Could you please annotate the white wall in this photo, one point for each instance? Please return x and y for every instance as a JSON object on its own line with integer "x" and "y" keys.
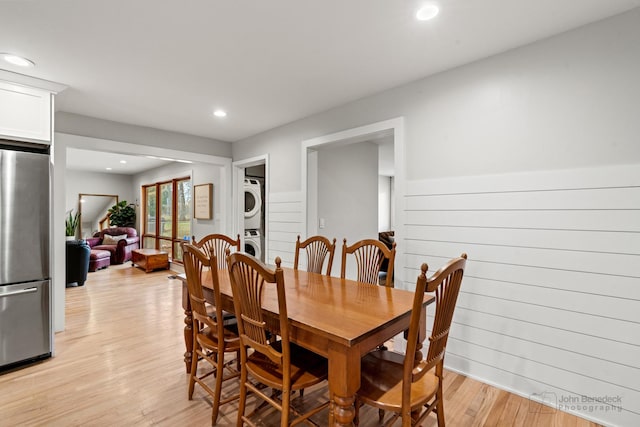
{"x": 549, "y": 303}
{"x": 384, "y": 203}
{"x": 285, "y": 224}
{"x": 96, "y": 183}
{"x": 549, "y": 123}
{"x": 114, "y": 131}
{"x": 386, "y": 157}
{"x": 348, "y": 195}
{"x": 568, "y": 101}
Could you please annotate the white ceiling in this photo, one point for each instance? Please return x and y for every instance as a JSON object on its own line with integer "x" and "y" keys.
{"x": 168, "y": 64}
{"x": 93, "y": 161}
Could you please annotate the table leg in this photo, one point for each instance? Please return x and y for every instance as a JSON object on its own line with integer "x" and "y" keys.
{"x": 343, "y": 411}
{"x": 188, "y": 327}
{"x": 344, "y": 381}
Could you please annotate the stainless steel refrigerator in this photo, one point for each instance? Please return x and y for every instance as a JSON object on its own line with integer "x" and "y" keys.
{"x": 25, "y": 285}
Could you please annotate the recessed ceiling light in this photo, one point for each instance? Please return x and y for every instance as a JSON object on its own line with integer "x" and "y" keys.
{"x": 17, "y": 60}
{"x": 123, "y": 161}
{"x": 108, "y": 169}
{"x": 220, "y": 113}
{"x": 427, "y": 12}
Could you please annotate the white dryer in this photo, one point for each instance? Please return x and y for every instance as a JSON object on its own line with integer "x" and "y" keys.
{"x": 252, "y": 243}
{"x": 252, "y": 204}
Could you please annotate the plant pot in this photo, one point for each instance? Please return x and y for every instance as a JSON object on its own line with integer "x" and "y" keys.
{"x": 71, "y": 238}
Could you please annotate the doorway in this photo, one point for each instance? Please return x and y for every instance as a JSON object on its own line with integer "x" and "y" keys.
{"x": 64, "y": 141}
{"x": 254, "y": 210}
{"x": 250, "y": 214}
{"x": 389, "y": 132}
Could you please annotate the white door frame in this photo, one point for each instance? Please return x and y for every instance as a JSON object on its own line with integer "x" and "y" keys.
{"x": 238, "y": 190}
{"x": 395, "y": 127}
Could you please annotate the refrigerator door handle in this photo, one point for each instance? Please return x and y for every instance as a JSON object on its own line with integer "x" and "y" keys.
{"x": 22, "y": 291}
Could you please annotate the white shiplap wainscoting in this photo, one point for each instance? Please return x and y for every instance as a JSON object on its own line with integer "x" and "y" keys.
{"x": 285, "y": 223}
{"x": 550, "y": 302}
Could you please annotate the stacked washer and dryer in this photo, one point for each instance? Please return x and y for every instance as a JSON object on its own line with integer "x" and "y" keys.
{"x": 253, "y": 214}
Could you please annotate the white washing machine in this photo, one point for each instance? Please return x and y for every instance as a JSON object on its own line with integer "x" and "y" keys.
{"x": 252, "y": 243}
{"x": 252, "y": 204}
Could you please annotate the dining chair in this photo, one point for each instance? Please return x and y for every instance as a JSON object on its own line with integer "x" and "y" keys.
{"x": 282, "y": 366}
{"x": 412, "y": 388}
{"x": 317, "y": 248}
{"x": 369, "y": 254}
{"x": 217, "y": 244}
{"x": 212, "y": 340}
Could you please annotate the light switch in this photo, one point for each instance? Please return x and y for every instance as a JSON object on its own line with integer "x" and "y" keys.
{"x": 321, "y": 223}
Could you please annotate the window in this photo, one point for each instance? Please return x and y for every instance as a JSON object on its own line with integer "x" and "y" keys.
{"x": 168, "y": 206}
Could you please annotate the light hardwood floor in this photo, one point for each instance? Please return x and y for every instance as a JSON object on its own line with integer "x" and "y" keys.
{"x": 120, "y": 363}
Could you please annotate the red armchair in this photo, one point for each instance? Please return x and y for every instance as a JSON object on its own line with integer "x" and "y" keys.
{"x": 119, "y": 241}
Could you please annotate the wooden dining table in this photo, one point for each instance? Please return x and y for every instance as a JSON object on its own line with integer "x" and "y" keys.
{"x": 337, "y": 318}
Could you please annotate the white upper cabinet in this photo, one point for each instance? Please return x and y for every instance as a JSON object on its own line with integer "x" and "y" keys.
{"x": 25, "y": 113}
{"x": 26, "y": 107}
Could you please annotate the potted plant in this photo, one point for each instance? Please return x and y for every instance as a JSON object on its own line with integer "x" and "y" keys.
{"x": 71, "y": 224}
{"x": 122, "y": 214}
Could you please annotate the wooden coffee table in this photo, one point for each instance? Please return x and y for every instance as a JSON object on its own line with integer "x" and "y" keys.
{"x": 150, "y": 259}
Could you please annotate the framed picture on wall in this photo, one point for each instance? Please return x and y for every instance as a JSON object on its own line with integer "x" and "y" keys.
{"x": 202, "y": 201}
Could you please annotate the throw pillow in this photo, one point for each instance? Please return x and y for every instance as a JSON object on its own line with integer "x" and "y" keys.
{"x": 108, "y": 239}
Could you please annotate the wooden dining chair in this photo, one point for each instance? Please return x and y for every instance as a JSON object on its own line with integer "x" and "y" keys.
{"x": 211, "y": 339}
{"x": 217, "y": 244}
{"x": 282, "y": 366}
{"x": 412, "y": 388}
{"x": 317, "y": 248}
{"x": 369, "y": 254}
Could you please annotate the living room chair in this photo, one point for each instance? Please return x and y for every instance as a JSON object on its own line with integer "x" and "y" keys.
{"x": 402, "y": 384}
{"x": 282, "y": 366}
{"x": 211, "y": 339}
{"x": 317, "y": 248}
{"x": 369, "y": 255}
{"x": 119, "y": 241}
